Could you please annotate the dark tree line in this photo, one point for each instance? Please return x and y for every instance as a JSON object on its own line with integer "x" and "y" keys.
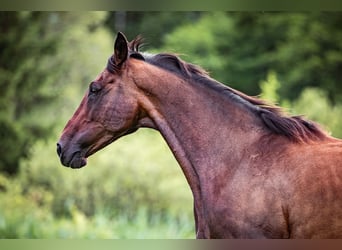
{"x": 240, "y": 49}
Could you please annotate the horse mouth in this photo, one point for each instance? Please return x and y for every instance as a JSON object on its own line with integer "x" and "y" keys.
{"x": 76, "y": 156}
{"x": 77, "y": 160}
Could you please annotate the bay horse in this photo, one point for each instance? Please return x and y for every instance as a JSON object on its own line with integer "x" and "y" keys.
{"x": 254, "y": 171}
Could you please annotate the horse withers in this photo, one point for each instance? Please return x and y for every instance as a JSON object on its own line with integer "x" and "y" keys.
{"x": 254, "y": 172}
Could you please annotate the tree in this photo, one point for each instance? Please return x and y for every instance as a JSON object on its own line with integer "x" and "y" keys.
{"x": 239, "y": 49}
{"x": 315, "y": 104}
{"x": 152, "y": 25}
{"x": 42, "y": 54}
{"x": 26, "y": 47}
{"x": 311, "y": 54}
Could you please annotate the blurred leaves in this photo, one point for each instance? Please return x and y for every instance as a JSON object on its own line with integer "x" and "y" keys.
{"x": 134, "y": 188}
{"x": 49, "y": 57}
{"x": 35, "y": 67}
{"x": 314, "y": 103}
{"x": 270, "y": 87}
{"x": 25, "y": 47}
{"x": 240, "y": 48}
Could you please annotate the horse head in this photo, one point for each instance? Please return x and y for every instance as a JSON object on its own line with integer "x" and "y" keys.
{"x": 109, "y": 110}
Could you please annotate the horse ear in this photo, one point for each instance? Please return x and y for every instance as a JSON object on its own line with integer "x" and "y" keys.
{"x": 120, "y": 49}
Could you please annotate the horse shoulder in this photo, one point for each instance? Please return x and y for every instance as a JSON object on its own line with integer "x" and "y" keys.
{"x": 312, "y": 194}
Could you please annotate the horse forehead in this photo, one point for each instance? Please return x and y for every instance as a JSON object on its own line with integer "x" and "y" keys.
{"x": 136, "y": 64}
{"x": 103, "y": 74}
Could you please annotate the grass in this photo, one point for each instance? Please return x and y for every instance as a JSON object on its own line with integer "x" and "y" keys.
{"x": 98, "y": 226}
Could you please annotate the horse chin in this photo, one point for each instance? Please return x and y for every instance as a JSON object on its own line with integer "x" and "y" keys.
{"x": 81, "y": 162}
{"x": 77, "y": 161}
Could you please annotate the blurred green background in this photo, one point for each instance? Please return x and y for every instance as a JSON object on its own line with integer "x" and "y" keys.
{"x": 134, "y": 188}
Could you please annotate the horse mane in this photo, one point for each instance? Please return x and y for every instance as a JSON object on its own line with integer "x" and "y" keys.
{"x": 296, "y": 128}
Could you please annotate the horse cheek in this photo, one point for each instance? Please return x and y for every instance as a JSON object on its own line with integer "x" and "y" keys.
{"x": 121, "y": 117}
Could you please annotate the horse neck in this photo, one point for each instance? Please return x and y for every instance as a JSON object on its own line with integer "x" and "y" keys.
{"x": 203, "y": 127}
{"x": 206, "y": 131}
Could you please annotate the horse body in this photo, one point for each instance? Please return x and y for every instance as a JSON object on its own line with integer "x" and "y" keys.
{"x": 283, "y": 197}
{"x": 238, "y": 169}
{"x": 253, "y": 172}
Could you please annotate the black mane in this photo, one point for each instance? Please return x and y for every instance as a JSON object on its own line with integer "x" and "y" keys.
{"x": 296, "y": 128}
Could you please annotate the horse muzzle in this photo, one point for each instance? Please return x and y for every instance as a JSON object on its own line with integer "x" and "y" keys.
{"x": 71, "y": 157}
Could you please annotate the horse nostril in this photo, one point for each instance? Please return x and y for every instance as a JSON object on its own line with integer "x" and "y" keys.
{"x": 59, "y": 149}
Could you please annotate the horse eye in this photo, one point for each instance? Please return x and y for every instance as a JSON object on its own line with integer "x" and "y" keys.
{"x": 94, "y": 88}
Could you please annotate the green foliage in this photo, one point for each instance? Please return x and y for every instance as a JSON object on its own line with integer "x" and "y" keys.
{"x": 36, "y": 63}
{"x": 240, "y": 49}
{"x": 43, "y": 52}
{"x": 145, "y": 196}
{"x": 49, "y": 55}
{"x": 134, "y": 188}
{"x": 315, "y": 104}
{"x": 310, "y": 54}
{"x": 123, "y": 192}
{"x": 198, "y": 44}
{"x": 25, "y": 59}
{"x": 269, "y": 88}
{"x": 153, "y": 25}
